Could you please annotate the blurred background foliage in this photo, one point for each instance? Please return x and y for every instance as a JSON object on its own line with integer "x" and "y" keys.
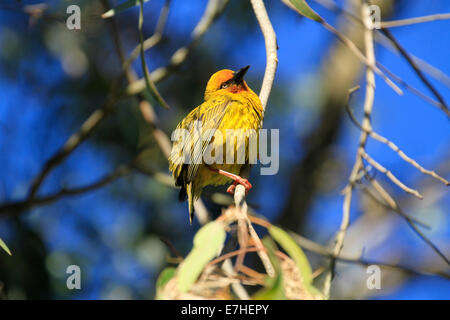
{"x": 52, "y": 79}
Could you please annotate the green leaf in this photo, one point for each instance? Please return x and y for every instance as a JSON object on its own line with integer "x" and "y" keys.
{"x": 275, "y": 290}
{"x": 208, "y": 243}
{"x": 165, "y": 276}
{"x": 296, "y": 253}
{"x": 4, "y": 247}
{"x": 305, "y": 10}
{"x": 293, "y": 250}
{"x": 274, "y": 286}
{"x": 121, "y": 7}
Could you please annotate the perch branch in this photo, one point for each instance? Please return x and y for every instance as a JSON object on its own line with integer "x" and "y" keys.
{"x": 269, "y": 76}
{"x": 270, "y": 40}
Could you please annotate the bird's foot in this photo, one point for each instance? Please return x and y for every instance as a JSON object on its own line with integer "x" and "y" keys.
{"x": 239, "y": 180}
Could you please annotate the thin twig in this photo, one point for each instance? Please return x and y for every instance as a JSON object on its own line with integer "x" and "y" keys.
{"x": 417, "y": 70}
{"x": 409, "y": 87}
{"x": 423, "y": 65}
{"x": 156, "y": 36}
{"x": 410, "y": 21}
{"x": 357, "y": 52}
{"x": 314, "y": 247}
{"x": 395, "y": 148}
{"x": 71, "y": 144}
{"x": 353, "y": 48}
{"x": 383, "y": 204}
{"x": 391, "y": 176}
{"x": 213, "y": 10}
{"x": 237, "y": 287}
{"x": 395, "y": 206}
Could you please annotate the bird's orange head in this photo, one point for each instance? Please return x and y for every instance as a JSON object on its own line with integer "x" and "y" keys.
{"x": 228, "y": 80}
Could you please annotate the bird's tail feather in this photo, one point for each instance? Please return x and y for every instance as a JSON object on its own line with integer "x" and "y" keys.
{"x": 190, "y": 194}
{"x": 182, "y": 195}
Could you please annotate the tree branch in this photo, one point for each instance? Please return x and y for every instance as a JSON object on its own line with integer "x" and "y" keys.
{"x": 270, "y": 40}
{"x": 417, "y": 70}
{"x": 314, "y": 247}
{"x": 213, "y": 10}
{"x": 358, "y": 165}
{"x": 269, "y": 76}
{"x": 410, "y": 21}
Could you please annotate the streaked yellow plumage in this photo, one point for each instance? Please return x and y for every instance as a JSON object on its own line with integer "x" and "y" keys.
{"x": 229, "y": 104}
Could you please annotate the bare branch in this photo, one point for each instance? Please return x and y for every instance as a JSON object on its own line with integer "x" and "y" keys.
{"x": 269, "y": 76}
{"x": 395, "y": 148}
{"x": 391, "y": 176}
{"x": 238, "y": 289}
{"x": 314, "y": 247}
{"x": 155, "y": 38}
{"x": 211, "y": 13}
{"x": 358, "y": 165}
{"x": 417, "y": 70}
{"x": 349, "y": 43}
{"x": 422, "y": 65}
{"x": 409, "y": 87}
{"x": 392, "y": 204}
{"x": 71, "y": 144}
{"x": 270, "y": 40}
{"x": 410, "y": 21}
{"x": 15, "y": 208}
{"x": 213, "y": 10}
{"x": 395, "y": 207}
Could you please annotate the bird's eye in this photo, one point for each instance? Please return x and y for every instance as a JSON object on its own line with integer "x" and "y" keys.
{"x": 224, "y": 86}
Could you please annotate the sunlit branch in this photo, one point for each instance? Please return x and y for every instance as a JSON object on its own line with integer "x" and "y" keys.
{"x": 395, "y": 148}
{"x": 417, "y": 64}
{"x": 269, "y": 75}
{"x": 390, "y": 175}
{"x": 410, "y": 21}
{"x": 358, "y": 165}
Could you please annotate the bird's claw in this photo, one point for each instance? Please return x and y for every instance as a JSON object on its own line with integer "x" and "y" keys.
{"x": 247, "y": 185}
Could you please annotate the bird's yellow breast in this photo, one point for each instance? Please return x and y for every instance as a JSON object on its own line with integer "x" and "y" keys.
{"x": 239, "y": 127}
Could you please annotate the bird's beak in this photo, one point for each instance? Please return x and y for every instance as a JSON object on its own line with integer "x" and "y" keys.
{"x": 239, "y": 75}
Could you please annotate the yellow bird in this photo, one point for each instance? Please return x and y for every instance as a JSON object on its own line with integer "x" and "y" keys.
{"x": 229, "y": 104}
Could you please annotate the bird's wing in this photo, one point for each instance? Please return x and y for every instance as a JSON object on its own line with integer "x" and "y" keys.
{"x": 210, "y": 114}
